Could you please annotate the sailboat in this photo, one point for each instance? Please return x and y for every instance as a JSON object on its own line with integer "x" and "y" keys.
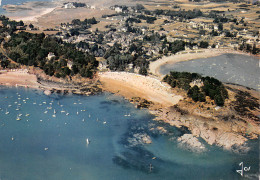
{"x": 54, "y": 115}
{"x": 87, "y": 141}
{"x": 18, "y": 118}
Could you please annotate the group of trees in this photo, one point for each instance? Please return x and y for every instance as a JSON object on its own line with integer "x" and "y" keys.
{"x": 211, "y": 87}
{"x": 32, "y": 49}
{"x": 84, "y": 22}
{"x": 9, "y": 25}
{"x": 190, "y": 14}
{"x": 249, "y": 48}
{"x": 120, "y": 61}
{"x": 5, "y": 63}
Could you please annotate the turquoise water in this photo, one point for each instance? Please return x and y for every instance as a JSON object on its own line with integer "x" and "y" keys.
{"x": 40, "y": 146}
{"x": 232, "y": 68}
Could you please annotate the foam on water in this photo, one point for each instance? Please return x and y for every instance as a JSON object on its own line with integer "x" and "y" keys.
{"x": 40, "y": 146}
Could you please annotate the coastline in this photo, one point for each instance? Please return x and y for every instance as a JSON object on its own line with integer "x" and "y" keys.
{"x": 133, "y": 85}
{"x": 33, "y": 18}
{"x": 30, "y": 11}
{"x": 36, "y": 79}
{"x": 169, "y": 105}
{"x": 181, "y": 56}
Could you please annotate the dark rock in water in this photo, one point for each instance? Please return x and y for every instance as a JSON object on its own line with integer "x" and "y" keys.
{"x": 58, "y": 91}
{"x": 242, "y": 149}
{"x": 65, "y": 92}
{"x": 135, "y": 160}
{"x": 121, "y": 162}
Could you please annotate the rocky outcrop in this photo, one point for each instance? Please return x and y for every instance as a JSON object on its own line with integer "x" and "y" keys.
{"x": 214, "y": 132}
{"x": 188, "y": 141}
{"x": 139, "y": 139}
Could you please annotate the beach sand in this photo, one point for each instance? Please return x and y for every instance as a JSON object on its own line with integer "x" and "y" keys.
{"x": 18, "y": 77}
{"x": 133, "y": 85}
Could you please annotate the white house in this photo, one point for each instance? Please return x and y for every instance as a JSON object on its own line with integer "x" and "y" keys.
{"x": 50, "y": 55}
{"x": 69, "y": 6}
{"x": 118, "y": 9}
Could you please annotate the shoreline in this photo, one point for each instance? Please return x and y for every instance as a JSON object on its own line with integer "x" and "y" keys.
{"x": 37, "y": 80}
{"x": 33, "y": 18}
{"x": 154, "y": 67}
{"x": 30, "y": 11}
{"x": 168, "y": 105}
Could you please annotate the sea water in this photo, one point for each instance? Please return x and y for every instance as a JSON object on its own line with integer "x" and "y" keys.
{"x": 91, "y": 138}
{"x": 18, "y": 2}
{"x": 232, "y": 68}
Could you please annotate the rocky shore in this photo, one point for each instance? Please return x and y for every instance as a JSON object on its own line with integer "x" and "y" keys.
{"x": 228, "y": 127}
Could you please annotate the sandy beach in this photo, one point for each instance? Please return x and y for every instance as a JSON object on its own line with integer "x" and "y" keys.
{"x": 18, "y": 77}
{"x": 203, "y": 53}
{"x": 133, "y": 85}
{"x": 33, "y": 18}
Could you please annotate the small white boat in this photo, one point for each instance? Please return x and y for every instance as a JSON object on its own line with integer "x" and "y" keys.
{"x": 87, "y": 141}
{"x": 12, "y": 138}
{"x": 6, "y": 112}
{"x": 27, "y": 114}
{"x": 62, "y": 111}
{"x": 67, "y": 114}
{"x": 104, "y": 122}
{"x": 45, "y": 112}
{"x": 77, "y": 112}
{"x": 127, "y": 115}
{"x": 18, "y": 118}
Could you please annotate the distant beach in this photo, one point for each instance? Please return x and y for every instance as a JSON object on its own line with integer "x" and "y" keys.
{"x": 28, "y": 10}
